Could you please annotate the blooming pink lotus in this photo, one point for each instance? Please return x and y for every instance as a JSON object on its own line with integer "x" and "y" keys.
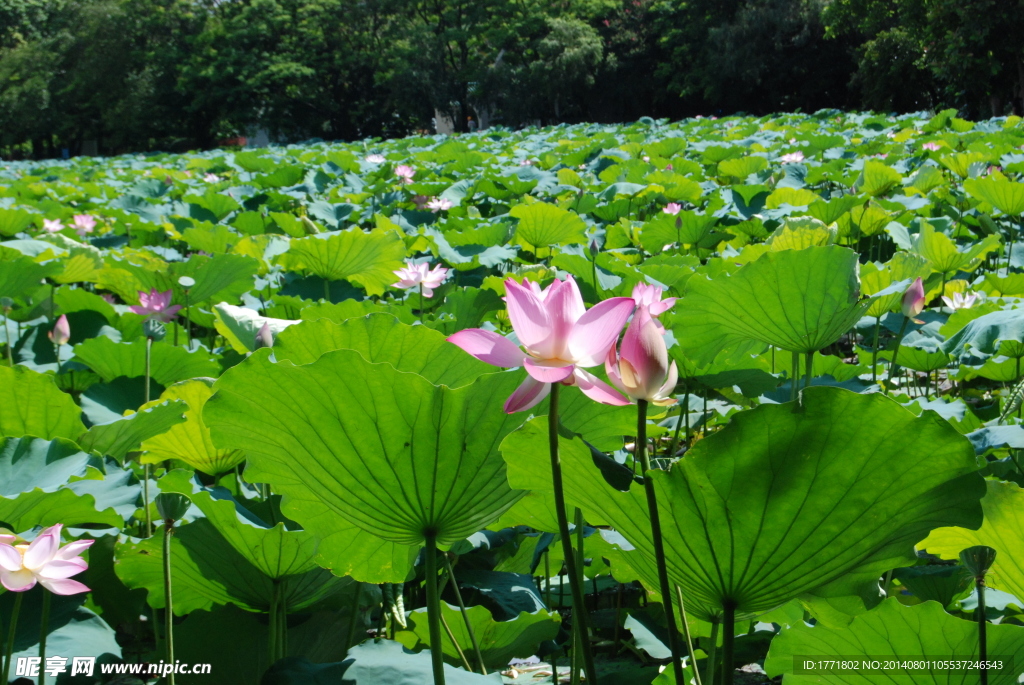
{"x": 405, "y": 172}
{"x": 960, "y": 300}
{"x": 376, "y": 159}
{"x": 650, "y": 296}
{"x": 419, "y": 275}
{"x": 931, "y": 145}
{"x": 913, "y": 300}
{"x": 43, "y": 561}
{"x": 52, "y": 225}
{"x": 439, "y": 204}
{"x": 84, "y": 224}
{"x": 641, "y": 369}
{"x": 672, "y": 208}
{"x": 156, "y": 305}
{"x": 792, "y": 158}
{"x": 211, "y": 178}
{"x": 560, "y": 337}
{"x": 61, "y": 332}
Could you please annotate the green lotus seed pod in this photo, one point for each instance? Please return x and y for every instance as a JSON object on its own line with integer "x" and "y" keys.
{"x": 172, "y": 506}
{"x": 978, "y": 559}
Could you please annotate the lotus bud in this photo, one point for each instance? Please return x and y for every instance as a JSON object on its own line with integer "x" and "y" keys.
{"x": 264, "y": 338}
{"x": 978, "y": 559}
{"x": 595, "y": 249}
{"x": 154, "y": 330}
{"x": 308, "y": 224}
{"x": 913, "y": 299}
{"x": 172, "y": 506}
{"x": 61, "y": 332}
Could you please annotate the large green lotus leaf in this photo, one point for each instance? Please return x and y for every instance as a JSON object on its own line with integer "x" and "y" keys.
{"x": 385, "y": 450}
{"x": 368, "y": 259}
{"x": 240, "y": 325}
{"x": 30, "y": 404}
{"x": 14, "y": 221}
{"x": 542, "y": 224}
{"x": 36, "y": 492}
{"x": 80, "y": 266}
{"x": 997, "y": 332}
{"x": 120, "y": 437}
{"x": 894, "y": 631}
{"x": 499, "y": 641}
{"x": 190, "y": 441}
{"x": 382, "y": 338}
{"x": 1002, "y": 530}
{"x": 20, "y": 277}
{"x": 784, "y": 502}
{"x": 796, "y": 300}
{"x": 371, "y": 663}
{"x": 944, "y": 255}
{"x": 274, "y": 550}
{"x": 878, "y": 178}
{"x": 742, "y": 167}
{"x": 168, "y": 364}
{"x": 1006, "y": 196}
{"x": 206, "y": 571}
{"x": 662, "y": 230}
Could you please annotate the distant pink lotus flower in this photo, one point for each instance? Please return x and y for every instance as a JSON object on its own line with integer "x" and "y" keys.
{"x": 668, "y": 167}
{"x": 646, "y": 158}
{"x": 641, "y": 369}
{"x": 792, "y": 157}
{"x": 211, "y": 178}
{"x": 45, "y": 562}
{"x": 650, "y": 296}
{"x": 376, "y": 159}
{"x": 84, "y": 224}
{"x": 960, "y": 300}
{"x": 560, "y": 336}
{"x": 931, "y": 145}
{"x": 405, "y": 172}
{"x": 108, "y": 298}
{"x": 52, "y": 225}
{"x": 526, "y": 162}
{"x": 156, "y": 305}
{"x": 672, "y": 208}
{"x": 439, "y": 204}
{"x": 913, "y": 300}
{"x": 61, "y": 332}
{"x": 416, "y": 275}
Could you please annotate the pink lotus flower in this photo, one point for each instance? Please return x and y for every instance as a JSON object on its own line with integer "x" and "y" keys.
{"x": 211, "y": 178}
{"x": 641, "y": 369}
{"x": 417, "y": 275}
{"x": 108, "y": 298}
{"x": 405, "y": 173}
{"x": 672, "y": 208}
{"x": 560, "y": 337}
{"x": 376, "y": 159}
{"x": 156, "y": 305}
{"x": 526, "y": 162}
{"x": 960, "y": 300}
{"x": 61, "y": 332}
{"x": 913, "y": 300}
{"x": 646, "y": 158}
{"x": 650, "y": 296}
{"x": 931, "y": 145}
{"x": 439, "y": 204}
{"x": 84, "y": 224}
{"x": 52, "y": 225}
{"x": 45, "y": 562}
{"x": 792, "y": 158}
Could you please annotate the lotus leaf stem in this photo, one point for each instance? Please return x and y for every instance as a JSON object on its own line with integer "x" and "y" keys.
{"x": 686, "y": 631}
{"x": 434, "y": 610}
{"x": 11, "y": 630}
{"x": 893, "y": 368}
{"x": 168, "y": 603}
{"x": 465, "y": 615}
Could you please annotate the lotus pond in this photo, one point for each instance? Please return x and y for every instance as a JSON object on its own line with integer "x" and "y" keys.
{"x": 715, "y": 401}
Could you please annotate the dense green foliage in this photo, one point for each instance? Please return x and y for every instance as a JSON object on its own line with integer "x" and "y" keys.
{"x": 324, "y": 430}
{"x": 134, "y": 75}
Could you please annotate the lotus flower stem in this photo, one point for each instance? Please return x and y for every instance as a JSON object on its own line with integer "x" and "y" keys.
{"x": 354, "y": 619}
{"x": 12, "y": 628}
{"x": 147, "y": 468}
{"x": 434, "y": 609}
{"x": 874, "y": 351}
{"x": 579, "y": 609}
{"x": 451, "y": 636}
{"x": 712, "y": 651}
{"x": 465, "y": 616}
{"x": 659, "y": 545}
{"x": 794, "y": 374}
{"x": 728, "y": 639}
{"x": 421, "y": 303}
{"x": 686, "y": 631}
{"x": 895, "y": 355}
{"x": 44, "y": 628}
{"x": 168, "y": 601}
{"x": 577, "y": 649}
